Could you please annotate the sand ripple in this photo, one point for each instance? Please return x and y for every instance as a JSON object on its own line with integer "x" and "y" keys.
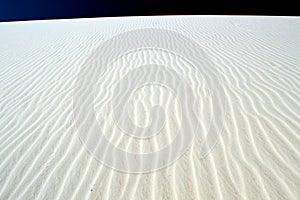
{"x": 256, "y": 60}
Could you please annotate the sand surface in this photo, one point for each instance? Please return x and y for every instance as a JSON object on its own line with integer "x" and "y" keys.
{"x": 150, "y": 108}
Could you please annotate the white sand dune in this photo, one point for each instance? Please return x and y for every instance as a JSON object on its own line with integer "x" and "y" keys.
{"x": 208, "y": 108}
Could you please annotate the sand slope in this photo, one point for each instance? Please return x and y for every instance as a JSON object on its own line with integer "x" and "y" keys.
{"x": 257, "y": 155}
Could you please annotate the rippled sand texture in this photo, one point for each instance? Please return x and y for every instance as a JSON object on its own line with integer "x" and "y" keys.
{"x": 257, "y": 155}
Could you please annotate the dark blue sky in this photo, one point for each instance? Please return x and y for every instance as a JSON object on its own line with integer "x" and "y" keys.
{"x": 16, "y": 10}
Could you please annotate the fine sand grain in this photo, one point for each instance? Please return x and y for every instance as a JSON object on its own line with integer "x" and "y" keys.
{"x": 175, "y": 107}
